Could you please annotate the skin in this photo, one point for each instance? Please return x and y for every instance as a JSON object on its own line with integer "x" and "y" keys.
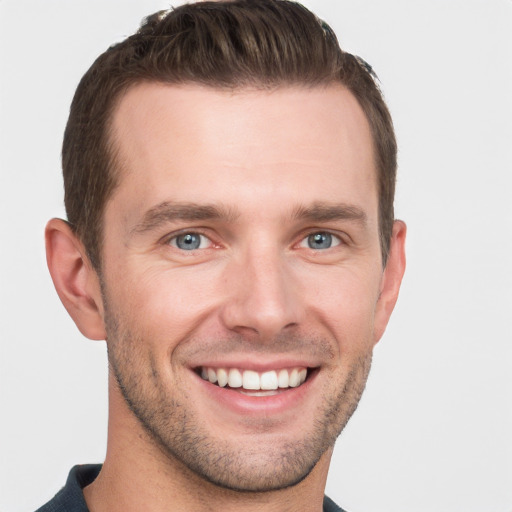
{"x": 256, "y": 174}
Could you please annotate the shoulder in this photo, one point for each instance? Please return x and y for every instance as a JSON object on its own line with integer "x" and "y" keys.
{"x": 71, "y": 498}
{"x": 330, "y": 506}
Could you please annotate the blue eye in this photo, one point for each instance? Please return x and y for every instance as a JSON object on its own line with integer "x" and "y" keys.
{"x": 321, "y": 240}
{"x": 189, "y": 241}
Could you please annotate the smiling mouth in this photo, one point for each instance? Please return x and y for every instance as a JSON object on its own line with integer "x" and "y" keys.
{"x": 255, "y": 383}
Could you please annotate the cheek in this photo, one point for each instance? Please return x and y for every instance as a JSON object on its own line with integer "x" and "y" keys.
{"x": 162, "y": 304}
{"x": 165, "y": 306}
{"x": 345, "y": 301}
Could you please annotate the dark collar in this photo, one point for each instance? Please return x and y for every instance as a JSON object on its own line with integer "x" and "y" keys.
{"x": 71, "y": 497}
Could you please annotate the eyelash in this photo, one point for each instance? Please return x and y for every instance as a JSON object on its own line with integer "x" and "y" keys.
{"x": 172, "y": 240}
{"x": 336, "y": 240}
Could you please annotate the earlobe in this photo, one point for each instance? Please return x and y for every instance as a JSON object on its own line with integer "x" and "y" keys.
{"x": 75, "y": 280}
{"x": 391, "y": 279}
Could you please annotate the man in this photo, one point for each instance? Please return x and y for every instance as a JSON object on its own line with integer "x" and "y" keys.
{"x": 229, "y": 179}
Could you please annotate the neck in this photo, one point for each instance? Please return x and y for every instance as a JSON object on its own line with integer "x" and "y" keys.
{"x": 139, "y": 475}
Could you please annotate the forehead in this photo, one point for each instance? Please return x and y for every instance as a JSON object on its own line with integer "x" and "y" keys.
{"x": 230, "y": 146}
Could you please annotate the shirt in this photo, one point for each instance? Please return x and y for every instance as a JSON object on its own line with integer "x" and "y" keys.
{"x": 71, "y": 498}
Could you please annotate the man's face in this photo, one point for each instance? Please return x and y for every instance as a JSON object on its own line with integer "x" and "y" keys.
{"x": 242, "y": 246}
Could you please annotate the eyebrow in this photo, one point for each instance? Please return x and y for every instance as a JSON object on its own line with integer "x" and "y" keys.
{"x": 324, "y": 212}
{"x": 166, "y": 212}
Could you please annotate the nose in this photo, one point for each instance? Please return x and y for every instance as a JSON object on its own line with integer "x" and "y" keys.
{"x": 262, "y": 295}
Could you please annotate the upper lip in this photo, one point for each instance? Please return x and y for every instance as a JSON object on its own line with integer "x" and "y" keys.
{"x": 257, "y": 363}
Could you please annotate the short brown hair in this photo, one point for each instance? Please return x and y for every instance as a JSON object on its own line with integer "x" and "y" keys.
{"x": 220, "y": 44}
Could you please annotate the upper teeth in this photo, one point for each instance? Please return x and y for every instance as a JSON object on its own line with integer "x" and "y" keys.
{"x": 249, "y": 379}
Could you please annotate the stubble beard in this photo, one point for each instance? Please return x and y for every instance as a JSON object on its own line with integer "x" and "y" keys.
{"x": 176, "y": 430}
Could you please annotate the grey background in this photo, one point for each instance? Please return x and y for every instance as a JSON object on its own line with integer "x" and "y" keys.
{"x": 433, "y": 431}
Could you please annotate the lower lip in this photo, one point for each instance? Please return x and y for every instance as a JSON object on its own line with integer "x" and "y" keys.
{"x": 240, "y": 403}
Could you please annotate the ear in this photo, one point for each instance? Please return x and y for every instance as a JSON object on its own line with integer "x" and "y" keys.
{"x": 391, "y": 279}
{"x": 75, "y": 280}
